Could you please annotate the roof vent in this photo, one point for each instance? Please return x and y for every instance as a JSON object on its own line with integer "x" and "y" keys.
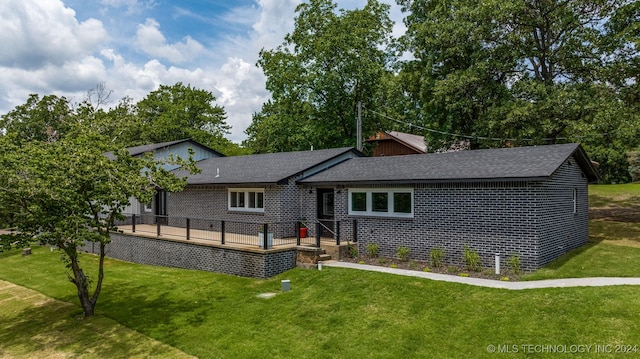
{"x": 217, "y": 172}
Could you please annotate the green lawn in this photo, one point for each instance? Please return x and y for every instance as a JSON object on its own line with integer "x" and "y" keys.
{"x": 335, "y": 312}
{"x": 331, "y": 313}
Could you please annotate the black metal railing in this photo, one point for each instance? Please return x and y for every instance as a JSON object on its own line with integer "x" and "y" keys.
{"x": 262, "y": 235}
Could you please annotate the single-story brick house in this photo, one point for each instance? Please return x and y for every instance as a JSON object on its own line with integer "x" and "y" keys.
{"x": 525, "y": 201}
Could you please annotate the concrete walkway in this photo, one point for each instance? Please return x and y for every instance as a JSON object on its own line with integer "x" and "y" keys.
{"x": 489, "y": 283}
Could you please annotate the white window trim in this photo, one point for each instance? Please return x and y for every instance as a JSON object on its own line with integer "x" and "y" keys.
{"x": 246, "y": 207}
{"x": 369, "y": 194}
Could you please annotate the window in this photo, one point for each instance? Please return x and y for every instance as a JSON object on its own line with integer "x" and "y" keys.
{"x": 381, "y": 202}
{"x": 248, "y": 200}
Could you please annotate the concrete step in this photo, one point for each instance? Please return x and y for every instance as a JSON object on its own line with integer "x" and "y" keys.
{"x": 324, "y": 257}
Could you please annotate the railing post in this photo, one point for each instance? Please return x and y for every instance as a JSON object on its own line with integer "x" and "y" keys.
{"x": 158, "y": 225}
{"x": 133, "y": 223}
{"x": 318, "y": 229}
{"x": 298, "y": 233}
{"x": 188, "y": 228}
{"x": 355, "y": 230}
{"x": 265, "y": 236}
{"x": 337, "y": 233}
{"x": 222, "y": 232}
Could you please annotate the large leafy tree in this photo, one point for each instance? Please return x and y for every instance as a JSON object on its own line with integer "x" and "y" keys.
{"x": 330, "y": 62}
{"x": 67, "y": 193}
{"x": 182, "y": 111}
{"x": 523, "y": 71}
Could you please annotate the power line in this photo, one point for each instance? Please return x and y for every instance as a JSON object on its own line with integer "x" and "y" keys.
{"x": 475, "y": 137}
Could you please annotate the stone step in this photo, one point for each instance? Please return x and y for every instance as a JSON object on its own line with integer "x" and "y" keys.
{"x": 324, "y": 257}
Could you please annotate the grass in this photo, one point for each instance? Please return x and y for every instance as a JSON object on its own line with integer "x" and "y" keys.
{"x": 334, "y": 312}
{"x": 33, "y": 325}
{"x": 329, "y": 313}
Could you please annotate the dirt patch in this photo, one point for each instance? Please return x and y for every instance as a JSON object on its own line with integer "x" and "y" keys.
{"x": 616, "y": 213}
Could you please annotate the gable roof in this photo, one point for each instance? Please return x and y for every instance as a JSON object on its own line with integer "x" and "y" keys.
{"x": 520, "y": 163}
{"x": 266, "y": 168}
{"x": 414, "y": 142}
{"x": 138, "y": 150}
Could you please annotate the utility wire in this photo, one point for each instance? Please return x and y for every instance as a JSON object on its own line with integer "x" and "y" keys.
{"x": 473, "y": 137}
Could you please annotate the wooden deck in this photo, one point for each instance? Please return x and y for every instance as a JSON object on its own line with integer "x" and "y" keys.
{"x": 208, "y": 237}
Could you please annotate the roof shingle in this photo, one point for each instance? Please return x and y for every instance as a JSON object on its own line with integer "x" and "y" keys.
{"x": 533, "y": 162}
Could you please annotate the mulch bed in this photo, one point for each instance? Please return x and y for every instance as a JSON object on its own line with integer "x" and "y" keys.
{"x": 487, "y": 273}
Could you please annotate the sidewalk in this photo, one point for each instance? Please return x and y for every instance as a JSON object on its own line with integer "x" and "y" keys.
{"x": 479, "y": 282}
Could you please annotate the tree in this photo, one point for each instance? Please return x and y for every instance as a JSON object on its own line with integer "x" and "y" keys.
{"x": 39, "y": 119}
{"x": 66, "y": 193}
{"x": 517, "y": 72}
{"x": 318, "y": 75}
{"x": 178, "y": 111}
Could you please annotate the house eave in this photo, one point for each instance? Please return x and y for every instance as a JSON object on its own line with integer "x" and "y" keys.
{"x": 425, "y": 181}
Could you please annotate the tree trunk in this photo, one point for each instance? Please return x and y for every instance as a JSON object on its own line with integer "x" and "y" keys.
{"x": 80, "y": 280}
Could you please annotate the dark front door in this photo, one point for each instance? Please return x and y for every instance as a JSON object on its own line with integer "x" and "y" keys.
{"x": 326, "y": 215}
{"x": 161, "y": 207}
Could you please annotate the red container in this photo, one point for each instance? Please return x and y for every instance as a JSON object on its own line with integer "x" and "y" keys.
{"x": 303, "y": 232}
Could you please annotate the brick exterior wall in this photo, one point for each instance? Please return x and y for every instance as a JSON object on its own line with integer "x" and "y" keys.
{"x": 561, "y": 229}
{"x": 532, "y": 219}
{"x": 245, "y": 263}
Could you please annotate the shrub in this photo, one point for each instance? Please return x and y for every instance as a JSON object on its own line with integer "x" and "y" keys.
{"x": 352, "y": 251}
{"x": 426, "y": 269}
{"x": 436, "y": 255}
{"x": 403, "y": 253}
{"x": 471, "y": 259}
{"x": 464, "y": 274}
{"x": 393, "y": 265}
{"x": 514, "y": 263}
{"x": 413, "y": 264}
{"x": 452, "y": 269}
{"x": 382, "y": 261}
{"x": 372, "y": 248}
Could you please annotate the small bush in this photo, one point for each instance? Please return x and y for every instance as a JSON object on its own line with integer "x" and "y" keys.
{"x": 403, "y": 253}
{"x": 352, "y": 251}
{"x": 464, "y": 274}
{"x": 426, "y": 269}
{"x": 471, "y": 259}
{"x": 413, "y": 265}
{"x": 361, "y": 262}
{"x": 393, "y": 265}
{"x": 436, "y": 256}
{"x": 382, "y": 261}
{"x": 452, "y": 269}
{"x": 514, "y": 264}
{"x": 372, "y": 248}
{"x": 504, "y": 279}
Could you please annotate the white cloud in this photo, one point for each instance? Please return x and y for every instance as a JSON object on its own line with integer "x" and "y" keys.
{"x": 46, "y": 50}
{"x": 36, "y": 33}
{"x": 153, "y": 42}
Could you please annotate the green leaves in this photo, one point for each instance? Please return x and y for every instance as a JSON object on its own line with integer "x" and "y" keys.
{"x": 330, "y": 62}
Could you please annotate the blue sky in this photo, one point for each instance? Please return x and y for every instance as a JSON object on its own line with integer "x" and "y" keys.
{"x": 66, "y": 47}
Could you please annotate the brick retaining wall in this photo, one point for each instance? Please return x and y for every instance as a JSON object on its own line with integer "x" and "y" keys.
{"x": 212, "y": 258}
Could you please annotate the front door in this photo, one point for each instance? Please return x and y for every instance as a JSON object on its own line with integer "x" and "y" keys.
{"x": 326, "y": 215}
{"x": 161, "y": 207}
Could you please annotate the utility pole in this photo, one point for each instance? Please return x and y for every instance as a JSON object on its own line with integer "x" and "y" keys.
{"x": 359, "y": 125}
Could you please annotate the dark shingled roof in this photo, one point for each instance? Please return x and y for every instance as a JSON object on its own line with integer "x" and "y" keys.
{"x": 262, "y": 168}
{"x": 520, "y": 163}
